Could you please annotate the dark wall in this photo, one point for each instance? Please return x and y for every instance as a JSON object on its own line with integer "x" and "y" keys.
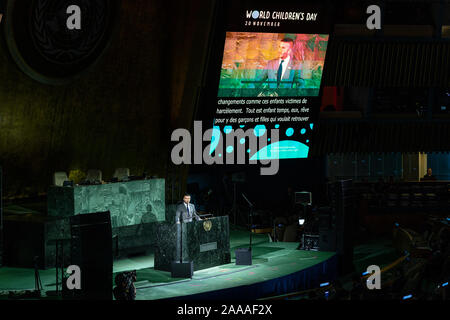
{"x": 119, "y": 114}
{"x": 266, "y": 192}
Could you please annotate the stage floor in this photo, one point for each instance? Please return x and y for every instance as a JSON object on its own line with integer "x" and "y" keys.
{"x": 277, "y": 268}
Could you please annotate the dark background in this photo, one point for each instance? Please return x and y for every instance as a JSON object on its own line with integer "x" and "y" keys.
{"x": 152, "y": 79}
{"x": 119, "y": 114}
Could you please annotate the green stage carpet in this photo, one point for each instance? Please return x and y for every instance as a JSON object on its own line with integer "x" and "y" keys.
{"x": 270, "y": 260}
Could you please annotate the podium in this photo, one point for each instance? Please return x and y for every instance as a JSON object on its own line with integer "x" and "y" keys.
{"x": 206, "y": 243}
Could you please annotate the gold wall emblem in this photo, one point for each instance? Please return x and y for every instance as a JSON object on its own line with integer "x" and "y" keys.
{"x": 207, "y": 225}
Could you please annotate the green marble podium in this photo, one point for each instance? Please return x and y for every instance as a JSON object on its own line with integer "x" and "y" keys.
{"x": 206, "y": 243}
{"x": 130, "y": 203}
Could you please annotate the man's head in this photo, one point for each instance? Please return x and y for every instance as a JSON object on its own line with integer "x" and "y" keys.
{"x": 429, "y": 172}
{"x": 187, "y": 198}
{"x": 2, "y": 9}
{"x": 285, "y": 48}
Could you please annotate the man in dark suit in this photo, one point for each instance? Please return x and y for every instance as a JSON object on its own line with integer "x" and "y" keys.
{"x": 283, "y": 72}
{"x": 429, "y": 175}
{"x": 186, "y": 211}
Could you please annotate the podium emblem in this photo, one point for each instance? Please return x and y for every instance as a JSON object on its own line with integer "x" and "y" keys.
{"x": 207, "y": 225}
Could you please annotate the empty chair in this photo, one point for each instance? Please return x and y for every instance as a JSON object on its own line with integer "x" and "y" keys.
{"x": 121, "y": 173}
{"x": 94, "y": 175}
{"x": 279, "y": 228}
{"x": 59, "y": 178}
{"x": 291, "y": 233}
{"x": 402, "y": 240}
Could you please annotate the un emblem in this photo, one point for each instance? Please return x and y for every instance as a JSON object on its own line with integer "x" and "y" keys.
{"x": 207, "y": 225}
{"x": 56, "y": 41}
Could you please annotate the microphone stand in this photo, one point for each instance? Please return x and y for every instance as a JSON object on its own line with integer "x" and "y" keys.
{"x": 181, "y": 239}
{"x": 250, "y": 218}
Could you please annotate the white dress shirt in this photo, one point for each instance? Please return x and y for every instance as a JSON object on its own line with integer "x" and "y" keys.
{"x": 285, "y": 64}
{"x": 187, "y": 208}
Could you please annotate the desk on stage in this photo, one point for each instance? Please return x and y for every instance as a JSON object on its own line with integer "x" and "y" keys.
{"x": 206, "y": 243}
{"x": 130, "y": 203}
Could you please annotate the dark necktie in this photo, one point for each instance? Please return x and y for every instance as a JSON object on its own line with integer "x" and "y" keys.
{"x": 187, "y": 207}
{"x": 279, "y": 73}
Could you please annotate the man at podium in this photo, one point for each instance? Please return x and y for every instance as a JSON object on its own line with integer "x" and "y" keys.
{"x": 205, "y": 242}
{"x": 186, "y": 210}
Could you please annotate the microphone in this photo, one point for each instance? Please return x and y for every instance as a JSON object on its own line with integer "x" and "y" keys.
{"x": 248, "y": 201}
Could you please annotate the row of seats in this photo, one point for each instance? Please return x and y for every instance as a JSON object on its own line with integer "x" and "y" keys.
{"x": 93, "y": 175}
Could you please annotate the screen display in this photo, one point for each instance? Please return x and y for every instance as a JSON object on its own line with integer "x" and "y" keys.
{"x": 272, "y": 64}
{"x": 269, "y": 78}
